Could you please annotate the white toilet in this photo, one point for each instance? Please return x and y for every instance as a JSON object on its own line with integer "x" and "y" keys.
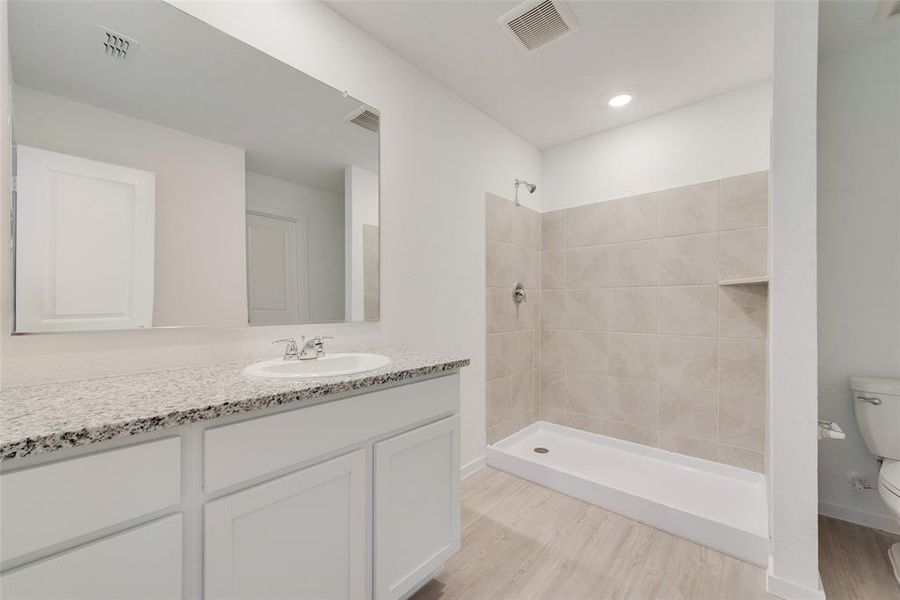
{"x": 876, "y": 402}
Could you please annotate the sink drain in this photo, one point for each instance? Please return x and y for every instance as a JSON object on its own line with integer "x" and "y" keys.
{"x": 541, "y": 450}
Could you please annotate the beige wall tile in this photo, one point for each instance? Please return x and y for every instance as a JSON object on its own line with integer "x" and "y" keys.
{"x": 587, "y": 267}
{"x": 553, "y": 349}
{"x": 745, "y": 459}
{"x": 499, "y": 264}
{"x": 497, "y": 355}
{"x": 526, "y": 315}
{"x": 521, "y": 351}
{"x": 498, "y": 398}
{"x": 743, "y": 311}
{"x": 553, "y": 415}
{"x": 690, "y": 310}
{"x": 526, "y": 229}
{"x": 743, "y": 253}
{"x": 742, "y": 365}
{"x": 633, "y": 401}
{"x": 587, "y": 225}
{"x": 553, "y": 230}
{"x": 686, "y": 445}
{"x": 632, "y": 433}
{"x": 687, "y": 411}
{"x": 372, "y": 306}
{"x": 587, "y": 351}
{"x": 553, "y": 310}
{"x": 689, "y": 209}
{"x": 744, "y": 201}
{"x": 742, "y": 420}
{"x": 553, "y": 270}
{"x": 688, "y": 361}
{"x": 526, "y": 268}
{"x": 634, "y": 355}
{"x": 586, "y": 422}
{"x": 523, "y": 397}
{"x": 500, "y": 311}
{"x": 633, "y": 218}
{"x": 688, "y": 260}
{"x": 634, "y": 309}
{"x": 498, "y": 219}
{"x": 634, "y": 263}
{"x": 553, "y": 389}
{"x": 586, "y": 393}
{"x": 587, "y": 309}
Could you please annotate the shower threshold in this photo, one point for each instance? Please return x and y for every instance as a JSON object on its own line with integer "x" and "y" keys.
{"x": 716, "y": 505}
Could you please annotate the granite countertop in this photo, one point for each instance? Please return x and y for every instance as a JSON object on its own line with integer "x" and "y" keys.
{"x": 37, "y": 419}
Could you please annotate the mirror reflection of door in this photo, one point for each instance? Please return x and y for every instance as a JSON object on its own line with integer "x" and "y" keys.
{"x": 85, "y": 243}
{"x": 277, "y": 277}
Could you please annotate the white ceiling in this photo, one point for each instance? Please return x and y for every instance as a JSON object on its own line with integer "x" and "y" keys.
{"x": 189, "y": 76}
{"x": 665, "y": 53}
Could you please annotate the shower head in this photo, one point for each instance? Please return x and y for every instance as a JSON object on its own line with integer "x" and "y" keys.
{"x": 529, "y": 186}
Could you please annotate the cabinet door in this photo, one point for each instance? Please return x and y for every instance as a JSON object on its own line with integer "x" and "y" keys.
{"x": 144, "y": 562}
{"x": 416, "y": 506}
{"x": 299, "y": 536}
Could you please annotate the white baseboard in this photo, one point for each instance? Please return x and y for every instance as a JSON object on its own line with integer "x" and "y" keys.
{"x": 790, "y": 590}
{"x": 845, "y": 513}
{"x": 474, "y": 466}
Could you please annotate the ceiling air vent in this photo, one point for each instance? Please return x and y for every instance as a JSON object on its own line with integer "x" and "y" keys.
{"x": 887, "y": 9}
{"x": 536, "y": 24}
{"x": 116, "y": 46}
{"x": 365, "y": 117}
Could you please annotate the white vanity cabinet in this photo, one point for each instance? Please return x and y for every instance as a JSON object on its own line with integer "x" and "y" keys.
{"x": 302, "y": 535}
{"x": 357, "y": 497}
{"x": 143, "y": 562}
{"x": 417, "y": 517}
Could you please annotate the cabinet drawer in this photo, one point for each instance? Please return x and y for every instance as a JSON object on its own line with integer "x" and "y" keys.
{"x": 242, "y": 451}
{"x": 144, "y": 562}
{"x": 56, "y": 502}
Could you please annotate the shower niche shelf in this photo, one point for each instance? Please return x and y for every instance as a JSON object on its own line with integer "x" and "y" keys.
{"x": 760, "y": 280}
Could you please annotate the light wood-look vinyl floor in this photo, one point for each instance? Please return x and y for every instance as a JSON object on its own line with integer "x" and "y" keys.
{"x": 853, "y": 561}
{"x": 523, "y": 541}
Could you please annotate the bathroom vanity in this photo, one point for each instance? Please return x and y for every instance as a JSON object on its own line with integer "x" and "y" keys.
{"x": 206, "y": 483}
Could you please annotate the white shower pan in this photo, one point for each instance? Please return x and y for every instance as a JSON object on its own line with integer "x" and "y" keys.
{"x": 716, "y": 505}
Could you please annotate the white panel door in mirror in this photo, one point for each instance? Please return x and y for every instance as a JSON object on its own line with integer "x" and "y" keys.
{"x": 84, "y": 244}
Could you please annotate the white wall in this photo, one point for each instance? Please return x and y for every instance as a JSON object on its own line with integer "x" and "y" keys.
{"x": 791, "y": 430}
{"x": 716, "y": 138}
{"x": 199, "y": 279}
{"x": 859, "y": 258}
{"x": 439, "y": 156}
{"x": 325, "y": 212}
{"x": 360, "y": 208}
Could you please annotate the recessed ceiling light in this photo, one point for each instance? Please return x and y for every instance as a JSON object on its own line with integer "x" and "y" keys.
{"x": 620, "y": 100}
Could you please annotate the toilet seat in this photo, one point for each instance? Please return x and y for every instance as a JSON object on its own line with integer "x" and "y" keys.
{"x": 889, "y": 476}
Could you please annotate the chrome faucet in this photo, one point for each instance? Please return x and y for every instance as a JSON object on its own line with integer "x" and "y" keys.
{"x": 290, "y": 348}
{"x": 313, "y": 348}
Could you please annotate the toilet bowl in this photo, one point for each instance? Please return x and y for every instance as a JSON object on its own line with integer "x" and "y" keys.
{"x": 889, "y": 490}
{"x": 876, "y": 403}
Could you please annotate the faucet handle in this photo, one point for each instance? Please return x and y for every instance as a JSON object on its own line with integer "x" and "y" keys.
{"x": 290, "y": 349}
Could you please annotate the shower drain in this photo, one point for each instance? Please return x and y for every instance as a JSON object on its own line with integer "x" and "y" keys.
{"x": 541, "y": 450}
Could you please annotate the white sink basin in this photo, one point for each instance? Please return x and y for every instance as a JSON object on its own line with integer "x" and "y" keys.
{"x": 329, "y": 365}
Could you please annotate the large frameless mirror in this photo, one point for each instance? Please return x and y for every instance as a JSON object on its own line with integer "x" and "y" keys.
{"x": 167, "y": 174}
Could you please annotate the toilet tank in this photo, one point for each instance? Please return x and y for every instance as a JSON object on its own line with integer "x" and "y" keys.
{"x": 876, "y": 402}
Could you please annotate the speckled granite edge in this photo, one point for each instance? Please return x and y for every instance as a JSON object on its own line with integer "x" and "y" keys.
{"x": 23, "y": 431}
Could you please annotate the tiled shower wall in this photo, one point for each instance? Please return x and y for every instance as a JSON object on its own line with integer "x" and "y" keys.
{"x": 637, "y": 338}
{"x": 513, "y": 254}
